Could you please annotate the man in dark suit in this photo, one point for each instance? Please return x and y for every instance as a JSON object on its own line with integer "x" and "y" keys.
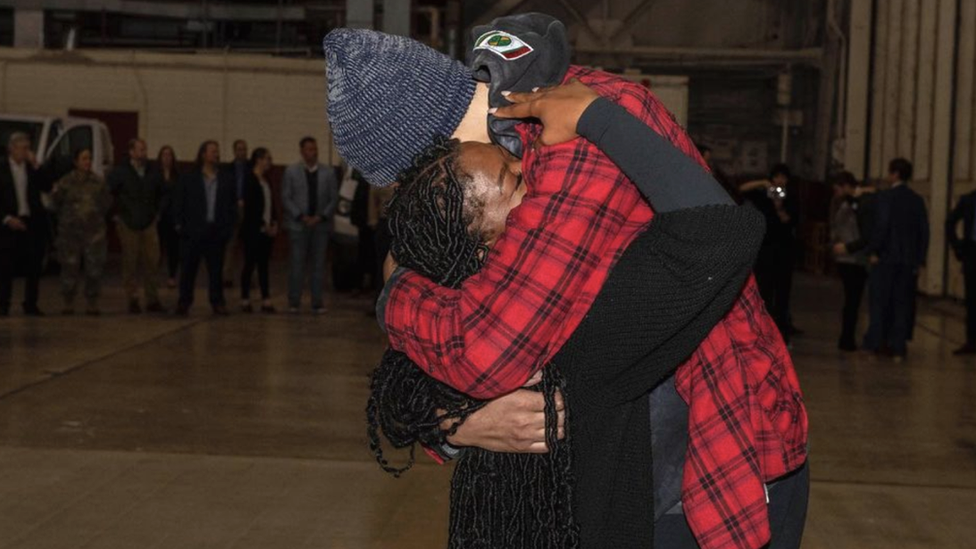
{"x": 897, "y": 249}
{"x": 965, "y": 250}
{"x": 206, "y": 213}
{"x": 23, "y": 224}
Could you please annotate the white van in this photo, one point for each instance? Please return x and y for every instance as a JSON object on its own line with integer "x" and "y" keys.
{"x": 55, "y": 139}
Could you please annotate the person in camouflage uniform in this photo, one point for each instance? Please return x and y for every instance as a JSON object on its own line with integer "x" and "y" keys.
{"x": 82, "y": 200}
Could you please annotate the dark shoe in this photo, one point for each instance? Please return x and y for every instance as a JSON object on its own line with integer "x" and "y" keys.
{"x": 155, "y": 307}
{"x": 247, "y": 308}
{"x": 134, "y": 308}
{"x": 228, "y": 284}
{"x": 967, "y": 349}
{"x": 220, "y": 310}
{"x": 33, "y": 311}
{"x": 182, "y": 310}
{"x": 318, "y": 309}
{"x": 268, "y": 309}
{"x": 93, "y": 311}
{"x": 171, "y": 283}
{"x": 5, "y": 311}
{"x": 847, "y": 346}
{"x": 68, "y": 311}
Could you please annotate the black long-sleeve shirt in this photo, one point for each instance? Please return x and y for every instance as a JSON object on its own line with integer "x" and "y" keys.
{"x": 665, "y": 176}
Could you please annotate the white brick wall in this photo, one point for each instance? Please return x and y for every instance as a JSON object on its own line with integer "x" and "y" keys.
{"x": 181, "y": 99}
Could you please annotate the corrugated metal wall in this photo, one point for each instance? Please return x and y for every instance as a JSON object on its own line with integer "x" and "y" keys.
{"x": 912, "y": 74}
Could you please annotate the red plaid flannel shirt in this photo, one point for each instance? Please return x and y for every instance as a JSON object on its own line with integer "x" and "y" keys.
{"x": 747, "y": 423}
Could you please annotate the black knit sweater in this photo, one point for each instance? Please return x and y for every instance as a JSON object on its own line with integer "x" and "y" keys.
{"x": 668, "y": 290}
{"x": 671, "y": 286}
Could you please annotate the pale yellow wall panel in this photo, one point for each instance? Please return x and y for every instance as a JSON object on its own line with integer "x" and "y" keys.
{"x": 876, "y": 147}
{"x": 908, "y": 80}
{"x": 53, "y": 89}
{"x": 893, "y": 81}
{"x": 181, "y": 100}
{"x": 964, "y": 91}
{"x": 183, "y": 108}
{"x": 264, "y": 113}
{"x": 924, "y": 102}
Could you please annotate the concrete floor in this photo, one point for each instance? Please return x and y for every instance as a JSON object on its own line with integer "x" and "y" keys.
{"x": 248, "y": 431}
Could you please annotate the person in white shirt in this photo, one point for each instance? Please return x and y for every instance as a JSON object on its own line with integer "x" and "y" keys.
{"x": 23, "y": 224}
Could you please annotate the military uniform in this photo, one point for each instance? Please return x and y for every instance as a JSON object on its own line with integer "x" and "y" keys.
{"x": 81, "y": 200}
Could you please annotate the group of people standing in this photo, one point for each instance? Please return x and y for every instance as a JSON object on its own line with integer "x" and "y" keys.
{"x": 186, "y": 218}
{"x": 880, "y": 240}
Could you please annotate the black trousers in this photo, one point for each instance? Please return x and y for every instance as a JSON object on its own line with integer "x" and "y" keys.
{"x": 382, "y": 240}
{"x": 257, "y": 254}
{"x": 367, "y": 255}
{"x": 892, "y": 297}
{"x": 969, "y": 275}
{"x": 788, "y": 500}
{"x": 210, "y": 248}
{"x": 774, "y": 276}
{"x": 24, "y": 252}
{"x": 169, "y": 244}
{"x": 855, "y": 278}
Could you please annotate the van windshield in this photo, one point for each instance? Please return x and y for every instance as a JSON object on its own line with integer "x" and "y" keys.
{"x": 10, "y": 127}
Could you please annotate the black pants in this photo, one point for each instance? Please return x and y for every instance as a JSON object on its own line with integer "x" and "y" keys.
{"x": 969, "y": 275}
{"x": 367, "y": 255}
{"x": 788, "y": 499}
{"x": 383, "y": 239}
{"x": 774, "y": 276}
{"x": 892, "y": 296}
{"x": 854, "y": 278}
{"x": 24, "y": 251}
{"x": 257, "y": 254}
{"x": 169, "y": 244}
{"x": 210, "y": 248}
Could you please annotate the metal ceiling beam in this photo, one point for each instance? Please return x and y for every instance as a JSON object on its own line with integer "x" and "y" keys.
{"x": 803, "y": 55}
{"x": 175, "y": 10}
{"x": 702, "y": 57}
{"x": 582, "y": 21}
{"x": 501, "y": 8}
{"x": 632, "y": 18}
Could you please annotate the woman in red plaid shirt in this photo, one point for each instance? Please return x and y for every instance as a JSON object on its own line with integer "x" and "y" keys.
{"x": 746, "y": 421}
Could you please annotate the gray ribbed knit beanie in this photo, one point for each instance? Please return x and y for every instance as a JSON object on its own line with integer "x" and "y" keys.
{"x": 389, "y": 96}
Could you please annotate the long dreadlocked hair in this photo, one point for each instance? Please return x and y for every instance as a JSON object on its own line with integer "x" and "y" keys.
{"x": 497, "y": 499}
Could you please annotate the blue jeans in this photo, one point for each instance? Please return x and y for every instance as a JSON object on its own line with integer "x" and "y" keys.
{"x": 307, "y": 245}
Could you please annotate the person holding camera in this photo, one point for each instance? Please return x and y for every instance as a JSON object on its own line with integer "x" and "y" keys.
{"x": 774, "y": 198}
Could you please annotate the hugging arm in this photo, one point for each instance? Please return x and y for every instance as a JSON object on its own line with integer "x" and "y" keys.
{"x": 681, "y": 276}
{"x": 665, "y": 176}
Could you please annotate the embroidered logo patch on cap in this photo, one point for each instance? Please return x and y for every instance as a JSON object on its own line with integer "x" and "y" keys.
{"x": 507, "y": 46}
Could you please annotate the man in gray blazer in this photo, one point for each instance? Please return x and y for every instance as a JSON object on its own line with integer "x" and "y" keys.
{"x": 309, "y": 196}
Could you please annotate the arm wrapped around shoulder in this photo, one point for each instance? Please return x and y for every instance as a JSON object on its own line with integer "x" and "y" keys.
{"x": 673, "y": 284}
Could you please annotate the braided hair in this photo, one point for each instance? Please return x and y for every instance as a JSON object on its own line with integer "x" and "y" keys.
{"x": 497, "y": 499}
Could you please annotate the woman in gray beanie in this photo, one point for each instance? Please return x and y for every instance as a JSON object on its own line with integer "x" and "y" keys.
{"x": 593, "y": 490}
